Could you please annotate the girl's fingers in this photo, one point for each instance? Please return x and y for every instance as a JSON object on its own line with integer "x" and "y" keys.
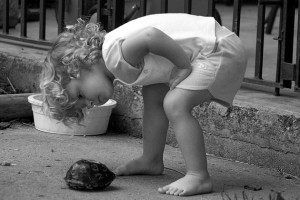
{"x": 175, "y": 83}
{"x": 182, "y": 74}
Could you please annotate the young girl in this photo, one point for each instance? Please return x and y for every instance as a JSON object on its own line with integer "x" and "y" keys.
{"x": 181, "y": 61}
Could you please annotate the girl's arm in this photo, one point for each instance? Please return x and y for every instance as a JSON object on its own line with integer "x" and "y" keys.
{"x": 152, "y": 40}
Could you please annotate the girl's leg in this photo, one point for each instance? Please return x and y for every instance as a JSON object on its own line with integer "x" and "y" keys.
{"x": 178, "y": 105}
{"x": 155, "y": 126}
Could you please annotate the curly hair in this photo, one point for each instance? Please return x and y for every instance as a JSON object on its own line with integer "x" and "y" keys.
{"x": 79, "y": 46}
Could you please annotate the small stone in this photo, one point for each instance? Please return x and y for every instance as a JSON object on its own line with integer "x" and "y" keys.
{"x": 4, "y": 125}
{"x": 7, "y": 164}
{"x": 288, "y": 177}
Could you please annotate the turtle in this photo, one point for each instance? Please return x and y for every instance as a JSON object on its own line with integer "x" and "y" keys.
{"x": 89, "y": 175}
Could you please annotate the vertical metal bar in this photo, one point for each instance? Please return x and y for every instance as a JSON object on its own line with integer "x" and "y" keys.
{"x": 188, "y": 6}
{"x": 236, "y": 16}
{"x": 164, "y": 6}
{"x": 42, "y": 20}
{"x": 5, "y": 17}
{"x": 211, "y": 8}
{"x": 143, "y": 6}
{"x": 80, "y": 9}
{"x": 109, "y": 17}
{"x": 61, "y": 15}
{"x": 117, "y": 13}
{"x": 288, "y": 37}
{"x": 23, "y": 18}
{"x": 278, "y": 64}
{"x": 100, "y": 15}
{"x": 297, "y": 73}
{"x": 99, "y": 6}
{"x": 260, "y": 41}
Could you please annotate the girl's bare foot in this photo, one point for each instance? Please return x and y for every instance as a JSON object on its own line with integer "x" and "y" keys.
{"x": 141, "y": 166}
{"x": 190, "y": 184}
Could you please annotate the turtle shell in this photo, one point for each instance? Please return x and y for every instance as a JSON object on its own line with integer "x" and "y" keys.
{"x": 89, "y": 175}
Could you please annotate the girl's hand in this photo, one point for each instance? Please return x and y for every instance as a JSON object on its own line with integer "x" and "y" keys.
{"x": 153, "y": 40}
{"x": 178, "y": 75}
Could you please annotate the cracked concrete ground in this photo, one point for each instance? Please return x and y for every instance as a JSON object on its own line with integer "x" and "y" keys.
{"x": 40, "y": 161}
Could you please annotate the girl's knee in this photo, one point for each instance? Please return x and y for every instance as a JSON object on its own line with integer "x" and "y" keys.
{"x": 174, "y": 109}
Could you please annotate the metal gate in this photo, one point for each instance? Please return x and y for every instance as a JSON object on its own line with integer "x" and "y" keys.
{"x": 111, "y": 13}
{"x": 286, "y": 70}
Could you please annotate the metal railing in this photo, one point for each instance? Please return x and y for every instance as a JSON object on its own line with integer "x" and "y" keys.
{"x": 286, "y": 70}
{"x": 111, "y": 13}
{"x": 23, "y": 22}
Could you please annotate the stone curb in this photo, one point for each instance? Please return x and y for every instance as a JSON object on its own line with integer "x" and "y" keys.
{"x": 243, "y": 133}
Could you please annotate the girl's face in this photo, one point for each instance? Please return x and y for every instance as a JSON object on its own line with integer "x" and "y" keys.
{"x": 93, "y": 87}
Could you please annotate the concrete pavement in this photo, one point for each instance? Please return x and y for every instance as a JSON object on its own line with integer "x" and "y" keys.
{"x": 41, "y": 160}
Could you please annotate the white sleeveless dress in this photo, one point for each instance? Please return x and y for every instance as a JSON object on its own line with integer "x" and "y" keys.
{"x": 217, "y": 55}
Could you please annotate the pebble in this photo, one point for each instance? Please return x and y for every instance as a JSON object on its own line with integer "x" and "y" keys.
{"x": 6, "y": 164}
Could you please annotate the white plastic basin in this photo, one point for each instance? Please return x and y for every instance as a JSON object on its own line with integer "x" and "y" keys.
{"x": 94, "y": 123}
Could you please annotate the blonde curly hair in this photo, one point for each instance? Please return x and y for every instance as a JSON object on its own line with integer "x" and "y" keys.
{"x": 79, "y": 46}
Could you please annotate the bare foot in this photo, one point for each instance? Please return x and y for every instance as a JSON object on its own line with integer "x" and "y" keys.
{"x": 190, "y": 184}
{"x": 141, "y": 166}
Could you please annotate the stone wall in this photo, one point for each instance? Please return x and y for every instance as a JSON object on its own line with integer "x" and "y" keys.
{"x": 23, "y": 73}
{"x": 245, "y": 134}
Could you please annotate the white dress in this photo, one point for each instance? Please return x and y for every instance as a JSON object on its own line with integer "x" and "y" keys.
{"x": 216, "y": 54}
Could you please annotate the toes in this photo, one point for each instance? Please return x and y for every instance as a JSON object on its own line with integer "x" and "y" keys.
{"x": 163, "y": 190}
{"x": 171, "y": 191}
{"x": 174, "y": 191}
{"x": 160, "y": 190}
{"x": 179, "y": 192}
